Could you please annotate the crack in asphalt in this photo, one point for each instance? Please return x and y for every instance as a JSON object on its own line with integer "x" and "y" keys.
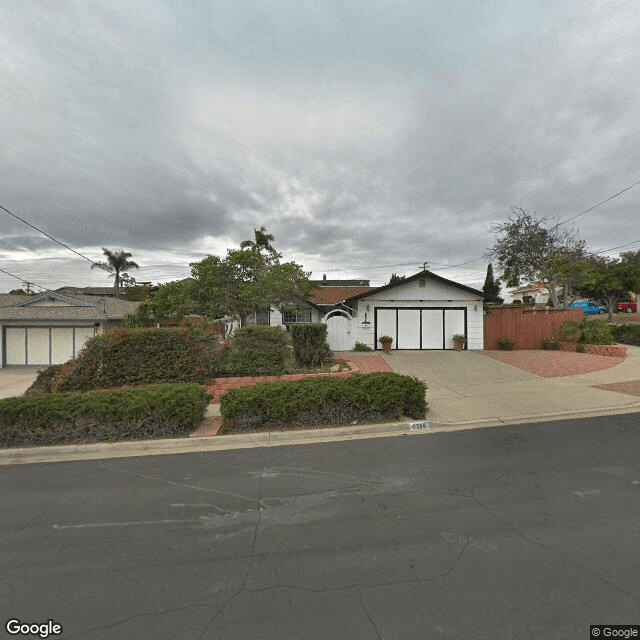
{"x": 531, "y": 541}
{"x": 366, "y": 613}
{"x": 147, "y": 613}
{"x": 233, "y": 596}
{"x": 61, "y": 494}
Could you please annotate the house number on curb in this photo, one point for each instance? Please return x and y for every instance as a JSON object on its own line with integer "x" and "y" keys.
{"x": 417, "y": 426}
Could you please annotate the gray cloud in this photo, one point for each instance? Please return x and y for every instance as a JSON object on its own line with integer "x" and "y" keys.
{"x": 360, "y": 135}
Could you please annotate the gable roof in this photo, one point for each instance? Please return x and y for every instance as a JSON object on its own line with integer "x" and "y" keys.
{"x": 332, "y": 295}
{"x": 342, "y": 283}
{"x": 15, "y": 307}
{"x": 417, "y": 276}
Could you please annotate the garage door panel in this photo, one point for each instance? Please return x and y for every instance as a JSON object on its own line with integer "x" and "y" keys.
{"x": 453, "y": 324}
{"x": 408, "y": 328}
{"x": 386, "y": 325}
{"x": 432, "y": 330}
{"x": 82, "y": 335}
{"x": 15, "y": 344}
{"x": 38, "y": 345}
{"x": 61, "y": 344}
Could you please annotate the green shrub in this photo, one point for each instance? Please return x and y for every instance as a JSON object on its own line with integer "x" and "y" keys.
{"x": 133, "y": 414}
{"x": 142, "y": 356}
{"x": 587, "y": 331}
{"x": 361, "y": 346}
{"x": 255, "y": 351}
{"x": 310, "y": 344}
{"x": 372, "y": 397}
{"x": 627, "y": 334}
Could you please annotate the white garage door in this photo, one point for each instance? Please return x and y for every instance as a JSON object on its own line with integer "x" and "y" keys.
{"x": 43, "y": 345}
{"x": 431, "y": 328}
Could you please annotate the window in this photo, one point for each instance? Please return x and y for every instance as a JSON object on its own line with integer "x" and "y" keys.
{"x": 297, "y": 318}
{"x": 259, "y": 317}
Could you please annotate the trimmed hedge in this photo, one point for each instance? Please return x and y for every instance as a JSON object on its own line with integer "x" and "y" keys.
{"x": 310, "y": 344}
{"x": 626, "y": 333}
{"x": 143, "y": 356}
{"x": 371, "y": 397}
{"x": 133, "y": 414}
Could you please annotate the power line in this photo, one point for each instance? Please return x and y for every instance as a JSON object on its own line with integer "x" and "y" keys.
{"x": 62, "y": 244}
{"x": 25, "y": 280}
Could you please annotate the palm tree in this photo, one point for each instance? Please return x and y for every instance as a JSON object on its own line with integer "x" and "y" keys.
{"x": 262, "y": 241}
{"x": 117, "y": 261}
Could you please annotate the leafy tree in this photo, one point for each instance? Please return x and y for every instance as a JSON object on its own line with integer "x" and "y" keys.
{"x": 261, "y": 242}
{"x": 609, "y": 280}
{"x": 524, "y": 246}
{"x": 18, "y": 292}
{"x": 395, "y": 279}
{"x": 491, "y": 287}
{"x": 117, "y": 261}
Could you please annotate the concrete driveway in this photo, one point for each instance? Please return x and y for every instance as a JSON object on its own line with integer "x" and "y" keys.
{"x": 468, "y": 387}
{"x": 14, "y": 382}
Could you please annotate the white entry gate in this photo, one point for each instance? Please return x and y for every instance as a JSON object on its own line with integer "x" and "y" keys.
{"x": 339, "y": 331}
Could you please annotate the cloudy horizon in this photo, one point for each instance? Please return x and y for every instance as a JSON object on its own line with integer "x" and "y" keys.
{"x": 367, "y": 137}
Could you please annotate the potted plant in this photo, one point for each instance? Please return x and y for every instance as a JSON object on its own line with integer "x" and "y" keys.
{"x": 386, "y": 341}
{"x": 506, "y": 344}
{"x": 550, "y": 344}
{"x": 459, "y": 341}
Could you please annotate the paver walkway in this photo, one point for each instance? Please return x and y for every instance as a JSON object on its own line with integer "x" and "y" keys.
{"x": 553, "y": 364}
{"x": 632, "y": 387}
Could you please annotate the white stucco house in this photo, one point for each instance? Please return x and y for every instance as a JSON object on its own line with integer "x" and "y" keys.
{"x": 537, "y": 291}
{"x": 51, "y": 328}
{"x": 423, "y": 311}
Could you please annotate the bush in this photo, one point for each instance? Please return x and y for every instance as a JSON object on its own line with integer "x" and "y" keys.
{"x": 627, "y": 334}
{"x": 361, "y": 346}
{"x": 369, "y": 397}
{"x": 134, "y": 414}
{"x": 587, "y": 331}
{"x": 310, "y": 344}
{"x": 143, "y": 356}
{"x": 257, "y": 351}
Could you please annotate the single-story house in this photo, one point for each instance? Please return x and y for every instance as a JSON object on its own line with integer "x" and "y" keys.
{"x": 536, "y": 292}
{"x": 51, "y": 328}
{"x": 423, "y": 311}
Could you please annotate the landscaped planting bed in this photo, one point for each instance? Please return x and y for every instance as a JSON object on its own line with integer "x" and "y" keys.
{"x": 140, "y": 356}
{"x": 154, "y": 411}
{"x": 373, "y": 397}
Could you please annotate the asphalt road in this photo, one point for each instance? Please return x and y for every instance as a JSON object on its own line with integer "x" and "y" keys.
{"x": 518, "y": 532}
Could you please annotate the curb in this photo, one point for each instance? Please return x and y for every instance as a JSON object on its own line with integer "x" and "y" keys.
{"x": 102, "y": 451}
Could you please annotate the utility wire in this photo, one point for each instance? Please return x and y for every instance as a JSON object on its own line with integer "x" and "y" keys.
{"x": 62, "y": 244}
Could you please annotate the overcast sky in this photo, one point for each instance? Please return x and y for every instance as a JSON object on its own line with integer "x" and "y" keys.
{"x": 367, "y": 136}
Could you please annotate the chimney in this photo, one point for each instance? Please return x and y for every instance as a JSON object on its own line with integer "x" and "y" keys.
{"x": 324, "y": 277}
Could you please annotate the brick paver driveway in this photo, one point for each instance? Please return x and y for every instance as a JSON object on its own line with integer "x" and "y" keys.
{"x": 552, "y": 364}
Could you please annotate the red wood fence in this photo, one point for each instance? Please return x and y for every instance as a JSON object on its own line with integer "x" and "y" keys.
{"x": 525, "y": 326}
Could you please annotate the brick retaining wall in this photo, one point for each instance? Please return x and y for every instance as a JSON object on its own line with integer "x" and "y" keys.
{"x": 614, "y": 350}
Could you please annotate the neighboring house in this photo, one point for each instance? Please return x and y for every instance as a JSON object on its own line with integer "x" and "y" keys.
{"x": 97, "y": 291}
{"x": 423, "y": 311}
{"x": 537, "y": 291}
{"x": 51, "y": 328}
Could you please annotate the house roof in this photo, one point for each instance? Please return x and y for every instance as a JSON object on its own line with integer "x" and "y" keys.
{"x": 536, "y": 286}
{"x": 77, "y": 307}
{"x": 333, "y": 295}
{"x": 421, "y": 274}
{"x": 342, "y": 283}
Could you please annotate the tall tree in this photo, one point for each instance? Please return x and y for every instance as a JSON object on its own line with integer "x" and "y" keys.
{"x": 491, "y": 287}
{"x": 262, "y": 241}
{"x": 610, "y": 280}
{"x": 117, "y": 261}
{"x": 525, "y": 244}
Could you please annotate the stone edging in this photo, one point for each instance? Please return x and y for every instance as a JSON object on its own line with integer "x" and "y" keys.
{"x": 219, "y": 386}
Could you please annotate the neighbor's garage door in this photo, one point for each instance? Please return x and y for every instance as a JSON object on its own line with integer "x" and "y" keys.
{"x": 416, "y": 328}
{"x": 43, "y": 345}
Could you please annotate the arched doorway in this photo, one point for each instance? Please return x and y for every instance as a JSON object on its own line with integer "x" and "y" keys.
{"x": 339, "y": 330}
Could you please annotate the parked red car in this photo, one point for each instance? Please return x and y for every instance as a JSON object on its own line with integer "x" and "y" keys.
{"x": 628, "y": 307}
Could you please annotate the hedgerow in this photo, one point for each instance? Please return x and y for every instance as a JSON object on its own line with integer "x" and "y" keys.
{"x": 133, "y": 414}
{"x": 371, "y": 397}
{"x": 142, "y": 356}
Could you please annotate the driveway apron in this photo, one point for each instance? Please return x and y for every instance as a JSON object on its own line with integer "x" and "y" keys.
{"x": 468, "y": 386}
